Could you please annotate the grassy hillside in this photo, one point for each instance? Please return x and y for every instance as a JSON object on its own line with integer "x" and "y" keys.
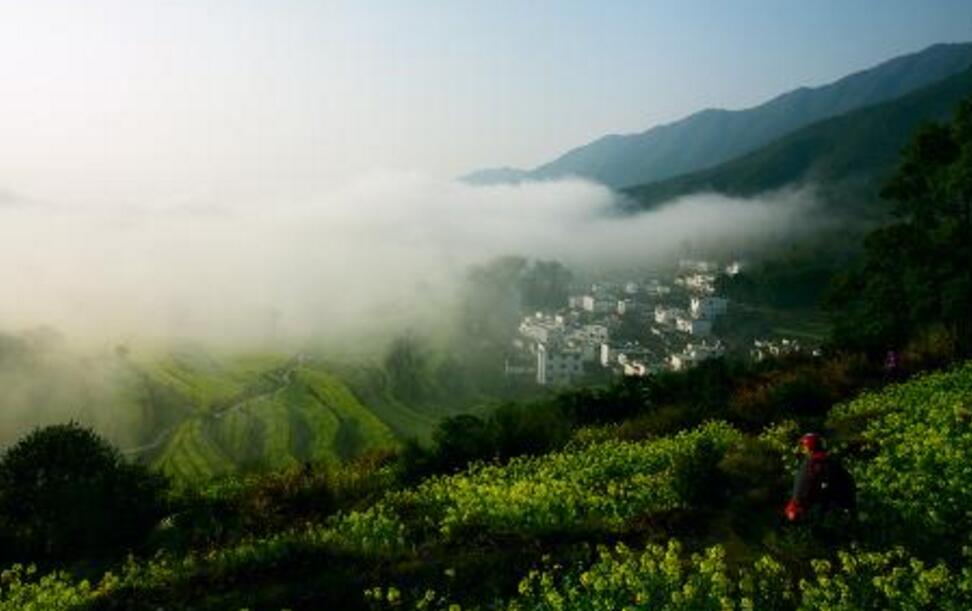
{"x": 198, "y": 413}
{"x": 253, "y": 411}
{"x": 847, "y": 157}
{"x": 592, "y": 527}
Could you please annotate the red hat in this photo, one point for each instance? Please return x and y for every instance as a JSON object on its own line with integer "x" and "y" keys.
{"x": 812, "y": 442}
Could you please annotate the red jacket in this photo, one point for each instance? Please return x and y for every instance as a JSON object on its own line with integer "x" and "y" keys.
{"x": 808, "y": 486}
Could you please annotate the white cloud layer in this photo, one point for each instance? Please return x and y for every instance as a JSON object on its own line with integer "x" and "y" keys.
{"x": 386, "y": 249}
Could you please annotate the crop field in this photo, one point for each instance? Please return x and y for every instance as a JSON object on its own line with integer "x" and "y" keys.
{"x": 254, "y": 412}
{"x": 910, "y": 442}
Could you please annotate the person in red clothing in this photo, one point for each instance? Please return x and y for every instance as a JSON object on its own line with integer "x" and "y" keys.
{"x": 822, "y": 485}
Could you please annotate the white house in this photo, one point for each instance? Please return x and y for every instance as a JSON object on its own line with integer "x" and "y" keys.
{"x": 694, "y": 354}
{"x": 627, "y": 306}
{"x": 701, "y": 327}
{"x": 698, "y": 282}
{"x": 708, "y": 307}
{"x": 607, "y": 355}
{"x": 635, "y": 369}
{"x": 540, "y": 328}
{"x": 592, "y": 334}
{"x": 597, "y": 304}
{"x": 632, "y": 353}
{"x": 557, "y": 366}
{"x": 667, "y": 316}
{"x": 657, "y": 290}
{"x": 733, "y": 268}
{"x": 764, "y": 349}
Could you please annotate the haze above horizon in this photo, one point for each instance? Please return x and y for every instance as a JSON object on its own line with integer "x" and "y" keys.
{"x": 185, "y": 102}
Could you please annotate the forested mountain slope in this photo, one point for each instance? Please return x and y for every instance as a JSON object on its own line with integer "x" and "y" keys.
{"x": 847, "y": 157}
{"x": 714, "y": 136}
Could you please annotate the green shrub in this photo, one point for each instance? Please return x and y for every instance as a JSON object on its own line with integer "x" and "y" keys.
{"x": 66, "y": 493}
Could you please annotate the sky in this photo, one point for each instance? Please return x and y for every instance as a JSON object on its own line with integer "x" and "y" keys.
{"x": 133, "y": 102}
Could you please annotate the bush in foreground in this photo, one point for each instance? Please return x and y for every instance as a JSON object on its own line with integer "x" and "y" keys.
{"x": 66, "y": 493}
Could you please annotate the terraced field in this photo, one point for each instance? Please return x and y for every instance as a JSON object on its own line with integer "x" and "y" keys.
{"x": 254, "y": 411}
{"x": 197, "y": 413}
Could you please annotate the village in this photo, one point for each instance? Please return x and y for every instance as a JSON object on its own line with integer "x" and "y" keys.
{"x": 632, "y": 328}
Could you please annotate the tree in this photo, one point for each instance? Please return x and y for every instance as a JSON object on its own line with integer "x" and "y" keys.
{"x": 916, "y": 273}
{"x": 408, "y": 369}
{"x": 66, "y": 493}
{"x": 545, "y": 285}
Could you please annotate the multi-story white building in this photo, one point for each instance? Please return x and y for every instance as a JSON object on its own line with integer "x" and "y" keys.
{"x": 558, "y": 365}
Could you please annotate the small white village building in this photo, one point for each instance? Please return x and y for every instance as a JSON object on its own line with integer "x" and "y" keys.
{"x": 627, "y": 306}
{"x": 597, "y": 304}
{"x": 698, "y": 282}
{"x": 541, "y": 328}
{"x": 701, "y": 327}
{"x": 656, "y": 289}
{"x": 733, "y": 268}
{"x": 764, "y": 349}
{"x": 708, "y": 307}
{"x": 667, "y": 316}
{"x": 694, "y": 354}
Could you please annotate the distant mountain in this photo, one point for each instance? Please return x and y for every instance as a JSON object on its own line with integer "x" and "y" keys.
{"x": 710, "y": 137}
{"x": 495, "y": 176}
{"x": 846, "y": 157}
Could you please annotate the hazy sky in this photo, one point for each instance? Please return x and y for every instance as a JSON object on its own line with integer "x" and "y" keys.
{"x": 130, "y": 101}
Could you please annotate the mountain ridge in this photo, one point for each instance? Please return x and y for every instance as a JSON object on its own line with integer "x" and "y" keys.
{"x": 712, "y": 136}
{"x": 847, "y": 156}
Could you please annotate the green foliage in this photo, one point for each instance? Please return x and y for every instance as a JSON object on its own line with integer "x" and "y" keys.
{"x": 916, "y": 486}
{"x": 784, "y": 282}
{"x": 917, "y": 272}
{"x": 843, "y": 157}
{"x": 492, "y": 300}
{"x": 546, "y": 518}
{"x": 890, "y": 580}
{"x": 22, "y": 589}
{"x": 595, "y": 487}
{"x": 67, "y": 493}
{"x": 408, "y": 369}
{"x": 711, "y": 137}
{"x": 664, "y": 578}
{"x": 799, "y": 387}
{"x": 259, "y": 504}
{"x": 655, "y": 578}
{"x": 286, "y": 413}
{"x": 545, "y": 285}
{"x": 508, "y": 430}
